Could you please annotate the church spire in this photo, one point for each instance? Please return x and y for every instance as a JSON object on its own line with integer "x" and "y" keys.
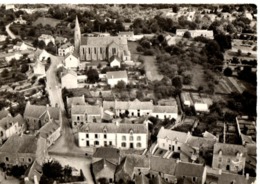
{"x": 77, "y": 36}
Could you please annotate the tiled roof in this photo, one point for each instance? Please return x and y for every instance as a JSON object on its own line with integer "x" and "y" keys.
{"x": 189, "y": 169}
{"x": 141, "y": 179}
{"x": 133, "y": 161}
{"x": 229, "y": 149}
{"x": 8, "y": 121}
{"x": 66, "y": 45}
{"x": 113, "y": 128}
{"x": 116, "y": 74}
{"x": 103, "y": 41}
{"x": 20, "y": 144}
{"x": 197, "y": 142}
{"x": 165, "y": 109}
{"x": 48, "y": 129}
{"x": 108, "y": 104}
{"x": 54, "y": 112}
{"x": 131, "y": 33}
{"x": 163, "y": 165}
{"x": 142, "y": 105}
{"x": 78, "y": 100}
{"x": 82, "y": 109}
{"x": 172, "y": 135}
{"x": 228, "y": 178}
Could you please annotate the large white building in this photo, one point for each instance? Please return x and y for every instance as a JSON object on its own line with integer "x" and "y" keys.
{"x": 121, "y": 136}
{"x": 65, "y": 49}
{"x": 114, "y": 77}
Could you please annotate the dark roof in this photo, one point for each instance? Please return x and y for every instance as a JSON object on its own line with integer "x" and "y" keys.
{"x": 141, "y": 179}
{"x": 47, "y": 129}
{"x": 189, "y": 169}
{"x": 112, "y": 58}
{"x": 102, "y": 165}
{"x": 103, "y": 41}
{"x": 229, "y": 149}
{"x": 3, "y": 113}
{"x": 8, "y": 121}
{"x": 37, "y": 111}
{"x": 20, "y": 144}
{"x": 113, "y": 128}
{"x": 106, "y": 153}
{"x": 79, "y": 100}
{"x": 133, "y": 161}
{"x": 163, "y": 165}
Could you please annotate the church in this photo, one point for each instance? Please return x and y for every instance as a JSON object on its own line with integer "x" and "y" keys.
{"x": 100, "y": 48}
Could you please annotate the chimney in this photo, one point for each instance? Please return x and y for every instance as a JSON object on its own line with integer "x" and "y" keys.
{"x": 220, "y": 171}
{"x": 247, "y": 176}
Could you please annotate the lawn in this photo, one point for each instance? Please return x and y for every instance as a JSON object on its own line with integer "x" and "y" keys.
{"x": 151, "y": 69}
{"x": 45, "y": 20}
{"x": 198, "y": 77}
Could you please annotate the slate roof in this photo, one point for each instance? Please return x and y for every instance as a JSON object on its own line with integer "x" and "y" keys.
{"x": 78, "y": 100}
{"x": 136, "y": 104}
{"x": 71, "y": 72}
{"x": 141, "y": 179}
{"x": 102, "y": 165}
{"x": 163, "y": 165}
{"x": 20, "y": 144}
{"x": 47, "y": 129}
{"x": 8, "y": 121}
{"x": 89, "y": 109}
{"x": 189, "y": 169}
{"x": 227, "y": 178}
{"x": 198, "y": 142}
{"x": 106, "y": 152}
{"x": 132, "y": 161}
{"x": 229, "y": 149}
{"x": 113, "y": 128}
{"x": 3, "y": 113}
{"x": 172, "y": 135}
{"x": 36, "y": 111}
{"x": 165, "y": 109}
{"x": 116, "y": 74}
{"x": 103, "y": 41}
{"x": 108, "y": 104}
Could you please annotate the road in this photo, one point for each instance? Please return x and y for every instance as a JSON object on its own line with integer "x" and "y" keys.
{"x": 52, "y": 85}
{"x": 9, "y": 32}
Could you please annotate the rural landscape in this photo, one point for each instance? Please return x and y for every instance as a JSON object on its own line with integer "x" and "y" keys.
{"x": 128, "y": 93}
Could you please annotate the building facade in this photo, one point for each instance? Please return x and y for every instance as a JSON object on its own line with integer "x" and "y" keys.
{"x": 121, "y": 136}
{"x": 65, "y": 49}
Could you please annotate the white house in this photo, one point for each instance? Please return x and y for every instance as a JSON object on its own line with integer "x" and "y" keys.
{"x": 11, "y": 56}
{"x": 171, "y": 140}
{"x": 21, "y": 46}
{"x": 71, "y": 61}
{"x": 115, "y": 76}
{"x": 194, "y": 33}
{"x": 20, "y": 20}
{"x": 2, "y": 38}
{"x": 47, "y": 39}
{"x": 39, "y": 68}
{"x": 9, "y": 6}
{"x": 128, "y": 34}
{"x": 162, "y": 112}
{"x": 121, "y": 136}
{"x": 69, "y": 79}
{"x": 65, "y": 49}
{"x": 115, "y": 62}
{"x": 41, "y": 55}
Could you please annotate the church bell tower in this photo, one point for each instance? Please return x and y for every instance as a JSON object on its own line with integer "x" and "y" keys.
{"x": 77, "y": 36}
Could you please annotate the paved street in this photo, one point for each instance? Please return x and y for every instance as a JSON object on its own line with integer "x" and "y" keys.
{"x": 9, "y": 32}
{"x": 53, "y": 83}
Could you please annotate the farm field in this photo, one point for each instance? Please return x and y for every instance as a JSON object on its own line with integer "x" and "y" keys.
{"x": 228, "y": 85}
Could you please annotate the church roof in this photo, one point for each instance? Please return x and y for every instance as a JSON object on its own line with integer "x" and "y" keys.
{"x": 103, "y": 41}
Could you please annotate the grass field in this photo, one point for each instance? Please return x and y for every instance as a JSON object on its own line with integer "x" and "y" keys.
{"x": 45, "y": 20}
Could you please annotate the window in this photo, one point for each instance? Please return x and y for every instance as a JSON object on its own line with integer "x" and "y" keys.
{"x": 228, "y": 160}
{"x": 105, "y": 143}
{"x": 105, "y": 136}
{"x": 194, "y": 179}
{"x": 138, "y": 145}
{"x": 96, "y": 142}
{"x": 86, "y": 135}
{"x": 1, "y": 134}
{"x": 131, "y": 138}
{"x": 95, "y": 50}
{"x": 75, "y": 123}
{"x": 89, "y": 50}
{"x": 220, "y": 159}
{"x": 77, "y": 117}
{"x": 219, "y": 165}
{"x": 96, "y": 135}
{"x": 81, "y": 123}
{"x": 139, "y": 138}
{"x": 123, "y": 144}
{"x": 123, "y": 138}
{"x": 7, "y": 159}
{"x": 101, "y": 50}
{"x": 179, "y": 148}
{"x": 110, "y": 143}
{"x": 29, "y": 160}
{"x": 113, "y": 50}
{"x": 110, "y": 180}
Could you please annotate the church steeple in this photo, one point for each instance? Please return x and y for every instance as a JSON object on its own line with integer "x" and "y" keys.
{"x": 77, "y": 36}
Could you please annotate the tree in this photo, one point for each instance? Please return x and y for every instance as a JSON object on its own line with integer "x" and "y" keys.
{"x": 139, "y": 48}
{"x": 92, "y": 75}
{"x": 177, "y": 82}
{"x": 18, "y": 171}
{"x": 5, "y": 73}
{"x": 239, "y": 52}
{"x": 121, "y": 85}
{"x": 175, "y": 8}
{"x": 187, "y": 34}
{"x": 24, "y": 68}
{"x": 224, "y": 41}
{"x": 228, "y": 72}
{"x": 187, "y": 79}
{"x": 52, "y": 169}
{"x": 41, "y": 44}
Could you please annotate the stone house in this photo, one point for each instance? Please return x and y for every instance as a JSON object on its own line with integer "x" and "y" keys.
{"x": 229, "y": 157}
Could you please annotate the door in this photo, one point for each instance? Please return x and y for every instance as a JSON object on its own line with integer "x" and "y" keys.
{"x": 87, "y": 143}
{"x": 131, "y": 145}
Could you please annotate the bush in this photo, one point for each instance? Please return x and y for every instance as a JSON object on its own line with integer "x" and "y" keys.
{"x": 228, "y": 72}
{"x": 5, "y": 73}
{"x": 139, "y": 49}
{"x": 24, "y": 68}
{"x": 149, "y": 52}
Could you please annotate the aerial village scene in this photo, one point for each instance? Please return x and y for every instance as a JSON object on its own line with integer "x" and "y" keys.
{"x": 128, "y": 93}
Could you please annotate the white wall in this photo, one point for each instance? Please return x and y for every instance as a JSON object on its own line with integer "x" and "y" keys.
{"x": 168, "y": 115}
{"x": 69, "y": 82}
{"x": 83, "y": 139}
{"x": 165, "y": 143}
{"x": 143, "y": 141}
